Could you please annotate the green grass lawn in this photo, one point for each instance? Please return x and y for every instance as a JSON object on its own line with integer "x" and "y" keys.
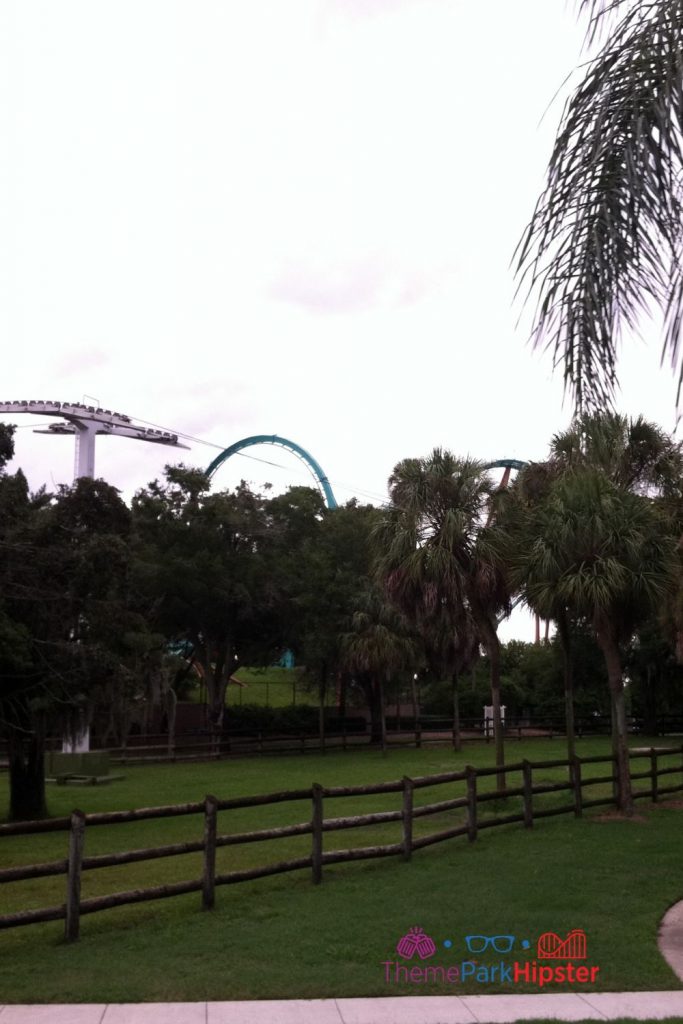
{"x": 272, "y": 687}
{"x": 282, "y": 937}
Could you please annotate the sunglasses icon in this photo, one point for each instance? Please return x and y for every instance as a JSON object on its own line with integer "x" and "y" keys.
{"x": 501, "y": 943}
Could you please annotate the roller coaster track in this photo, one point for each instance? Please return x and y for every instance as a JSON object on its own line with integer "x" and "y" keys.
{"x": 290, "y": 446}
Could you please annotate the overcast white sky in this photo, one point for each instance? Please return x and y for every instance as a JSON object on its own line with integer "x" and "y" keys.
{"x": 283, "y": 216}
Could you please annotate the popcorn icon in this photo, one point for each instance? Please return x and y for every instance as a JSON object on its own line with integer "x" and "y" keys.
{"x": 416, "y": 942}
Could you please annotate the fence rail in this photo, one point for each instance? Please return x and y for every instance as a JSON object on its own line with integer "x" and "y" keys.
{"x": 424, "y": 732}
{"x": 316, "y": 826}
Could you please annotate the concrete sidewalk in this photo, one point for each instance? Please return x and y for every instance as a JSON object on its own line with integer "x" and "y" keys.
{"x": 401, "y": 1010}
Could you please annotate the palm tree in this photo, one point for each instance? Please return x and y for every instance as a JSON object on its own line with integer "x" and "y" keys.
{"x": 537, "y": 580}
{"x": 378, "y": 646}
{"x": 607, "y": 555}
{"x": 438, "y": 559}
{"x": 636, "y": 454}
{"x": 606, "y": 238}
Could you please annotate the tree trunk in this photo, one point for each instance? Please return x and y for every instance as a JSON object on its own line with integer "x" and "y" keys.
{"x": 457, "y": 739}
{"x": 322, "y": 692}
{"x": 27, "y": 776}
{"x": 568, "y": 668}
{"x": 650, "y": 723}
{"x": 679, "y": 647}
{"x": 492, "y": 645}
{"x": 382, "y": 714}
{"x": 171, "y": 708}
{"x": 612, "y": 655}
{"x": 216, "y": 678}
{"x": 343, "y": 686}
{"x": 374, "y": 703}
{"x": 223, "y": 669}
{"x": 413, "y": 697}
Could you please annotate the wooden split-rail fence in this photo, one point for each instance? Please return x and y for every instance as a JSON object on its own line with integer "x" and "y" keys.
{"x": 316, "y": 826}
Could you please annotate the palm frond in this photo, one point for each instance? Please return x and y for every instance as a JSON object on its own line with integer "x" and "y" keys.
{"x": 605, "y": 243}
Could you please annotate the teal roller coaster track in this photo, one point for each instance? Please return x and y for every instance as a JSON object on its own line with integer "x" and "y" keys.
{"x": 290, "y": 446}
{"x": 507, "y": 465}
{"x": 316, "y": 469}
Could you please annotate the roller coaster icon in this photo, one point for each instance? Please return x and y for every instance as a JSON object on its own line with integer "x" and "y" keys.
{"x": 552, "y": 947}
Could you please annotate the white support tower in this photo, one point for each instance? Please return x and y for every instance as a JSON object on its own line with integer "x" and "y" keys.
{"x": 86, "y": 422}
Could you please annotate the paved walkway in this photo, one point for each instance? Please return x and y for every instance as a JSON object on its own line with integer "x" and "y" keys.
{"x": 670, "y": 939}
{"x": 397, "y": 1010}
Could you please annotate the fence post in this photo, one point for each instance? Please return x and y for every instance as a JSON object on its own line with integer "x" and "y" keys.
{"x": 471, "y": 803}
{"x": 317, "y": 825}
{"x": 528, "y": 809}
{"x": 576, "y": 782}
{"x": 209, "y": 875}
{"x": 653, "y": 775}
{"x": 407, "y": 817}
{"x": 73, "y": 876}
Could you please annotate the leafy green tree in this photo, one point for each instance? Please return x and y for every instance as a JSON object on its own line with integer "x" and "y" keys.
{"x": 7, "y": 432}
{"x": 378, "y": 645}
{"x": 325, "y": 574}
{"x": 606, "y": 239}
{"x": 656, "y": 677}
{"x": 203, "y": 565}
{"x": 64, "y": 564}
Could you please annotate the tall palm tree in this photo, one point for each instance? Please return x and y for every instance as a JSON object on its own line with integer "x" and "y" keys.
{"x": 636, "y": 455}
{"x": 437, "y": 557}
{"x": 605, "y": 241}
{"x": 605, "y": 554}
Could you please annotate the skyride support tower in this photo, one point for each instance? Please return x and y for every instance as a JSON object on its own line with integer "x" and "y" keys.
{"x": 86, "y": 422}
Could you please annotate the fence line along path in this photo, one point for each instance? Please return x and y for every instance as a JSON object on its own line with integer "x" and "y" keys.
{"x": 77, "y": 825}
